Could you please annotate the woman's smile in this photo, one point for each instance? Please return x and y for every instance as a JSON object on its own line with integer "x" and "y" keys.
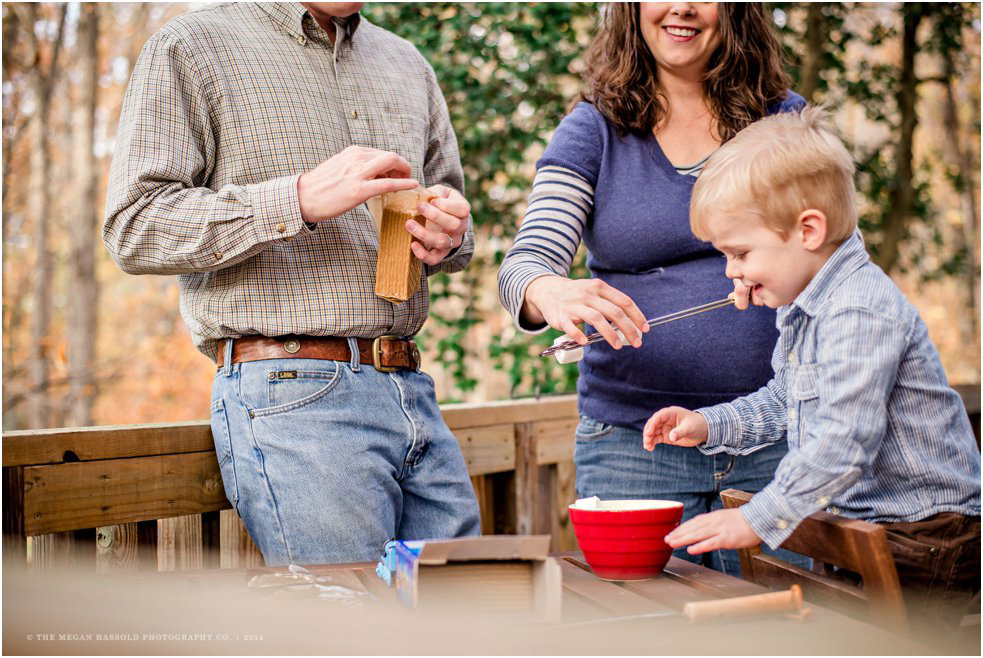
{"x": 681, "y": 34}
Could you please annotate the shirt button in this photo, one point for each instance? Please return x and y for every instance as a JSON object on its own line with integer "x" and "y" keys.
{"x": 823, "y": 500}
{"x": 280, "y": 228}
{"x": 791, "y": 357}
{"x": 781, "y": 524}
{"x": 353, "y": 114}
{"x": 218, "y": 255}
{"x": 301, "y": 40}
{"x": 791, "y": 414}
{"x": 834, "y": 510}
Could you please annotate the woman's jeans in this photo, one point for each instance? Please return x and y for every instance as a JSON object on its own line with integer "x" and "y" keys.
{"x": 612, "y": 464}
{"x": 325, "y": 461}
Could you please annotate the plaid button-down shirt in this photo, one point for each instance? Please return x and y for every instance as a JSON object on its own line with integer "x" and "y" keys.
{"x": 226, "y": 107}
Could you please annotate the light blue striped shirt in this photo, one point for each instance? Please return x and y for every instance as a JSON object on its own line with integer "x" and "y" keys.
{"x": 873, "y": 429}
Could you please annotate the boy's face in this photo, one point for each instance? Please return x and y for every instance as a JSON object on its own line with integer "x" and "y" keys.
{"x": 776, "y": 269}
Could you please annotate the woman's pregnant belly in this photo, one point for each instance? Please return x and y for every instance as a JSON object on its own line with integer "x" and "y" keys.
{"x": 717, "y": 352}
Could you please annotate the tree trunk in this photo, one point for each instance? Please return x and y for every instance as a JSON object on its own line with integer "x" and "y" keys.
{"x": 38, "y": 407}
{"x": 900, "y": 199}
{"x": 813, "y": 57}
{"x": 40, "y": 340}
{"x": 966, "y": 237}
{"x": 84, "y": 289}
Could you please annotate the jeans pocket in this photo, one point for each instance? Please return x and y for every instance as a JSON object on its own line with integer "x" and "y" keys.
{"x": 222, "y": 437}
{"x": 287, "y": 390}
{"x": 589, "y": 429}
{"x": 916, "y": 561}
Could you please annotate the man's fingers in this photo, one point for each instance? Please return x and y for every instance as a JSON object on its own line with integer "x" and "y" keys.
{"x": 446, "y": 221}
{"x": 432, "y": 240}
{"x": 456, "y": 206}
{"x": 371, "y": 188}
{"x": 388, "y": 164}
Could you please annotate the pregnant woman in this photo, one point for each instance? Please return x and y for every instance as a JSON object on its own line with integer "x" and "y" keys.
{"x": 666, "y": 84}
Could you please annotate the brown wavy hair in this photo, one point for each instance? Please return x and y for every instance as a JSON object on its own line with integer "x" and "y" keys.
{"x": 745, "y": 74}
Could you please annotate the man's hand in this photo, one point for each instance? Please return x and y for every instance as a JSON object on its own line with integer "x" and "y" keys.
{"x": 564, "y": 303}
{"x": 348, "y": 179}
{"x": 725, "y": 528}
{"x": 447, "y": 222}
{"x": 675, "y": 426}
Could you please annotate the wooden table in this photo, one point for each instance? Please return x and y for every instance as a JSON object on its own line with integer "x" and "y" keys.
{"x": 213, "y": 612}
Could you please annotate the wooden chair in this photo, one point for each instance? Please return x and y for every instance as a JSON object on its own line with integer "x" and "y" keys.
{"x": 858, "y": 546}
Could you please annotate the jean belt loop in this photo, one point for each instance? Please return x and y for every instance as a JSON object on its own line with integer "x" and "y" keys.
{"x": 353, "y": 349}
{"x": 227, "y": 357}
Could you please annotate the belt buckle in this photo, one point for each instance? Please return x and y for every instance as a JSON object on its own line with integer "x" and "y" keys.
{"x": 377, "y": 354}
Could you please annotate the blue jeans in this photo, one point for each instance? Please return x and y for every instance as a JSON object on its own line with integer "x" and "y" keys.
{"x": 612, "y": 464}
{"x": 325, "y": 461}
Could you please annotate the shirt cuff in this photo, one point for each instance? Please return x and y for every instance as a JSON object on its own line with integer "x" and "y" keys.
{"x": 276, "y": 209}
{"x": 723, "y": 428}
{"x": 770, "y": 516}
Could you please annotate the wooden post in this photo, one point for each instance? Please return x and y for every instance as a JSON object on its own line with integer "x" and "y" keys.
{"x": 238, "y": 550}
{"x": 210, "y": 540}
{"x": 179, "y": 543}
{"x": 526, "y": 478}
{"x": 74, "y": 549}
{"x": 14, "y": 540}
{"x": 127, "y": 547}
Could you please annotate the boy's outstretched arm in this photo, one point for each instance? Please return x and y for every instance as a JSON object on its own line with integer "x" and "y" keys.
{"x": 676, "y": 426}
{"x": 725, "y": 528}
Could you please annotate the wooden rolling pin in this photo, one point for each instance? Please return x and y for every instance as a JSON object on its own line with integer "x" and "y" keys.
{"x": 788, "y": 602}
{"x": 745, "y": 606}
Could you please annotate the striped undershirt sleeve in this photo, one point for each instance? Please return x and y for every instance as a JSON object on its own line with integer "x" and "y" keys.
{"x": 546, "y": 243}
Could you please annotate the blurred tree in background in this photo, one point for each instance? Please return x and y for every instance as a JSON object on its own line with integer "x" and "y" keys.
{"x": 84, "y": 343}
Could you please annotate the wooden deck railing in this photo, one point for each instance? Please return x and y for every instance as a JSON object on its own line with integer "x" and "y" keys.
{"x": 151, "y": 496}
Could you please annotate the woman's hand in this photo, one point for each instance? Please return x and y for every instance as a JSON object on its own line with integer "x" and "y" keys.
{"x": 675, "y": 426}
{"x": 563, "y": 303}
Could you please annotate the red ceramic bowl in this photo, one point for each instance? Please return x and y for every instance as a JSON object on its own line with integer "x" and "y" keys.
{"x": 625, "y": 539}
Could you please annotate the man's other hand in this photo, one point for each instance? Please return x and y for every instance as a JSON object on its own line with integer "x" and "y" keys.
{"x": 447, "y": 222}
{"x": 348, "y": 179}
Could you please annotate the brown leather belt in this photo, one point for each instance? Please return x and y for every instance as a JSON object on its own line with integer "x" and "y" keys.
{"x": 385, "y": 353}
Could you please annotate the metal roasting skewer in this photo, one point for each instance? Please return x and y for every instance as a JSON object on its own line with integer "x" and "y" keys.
{"x": 678, "y": 315}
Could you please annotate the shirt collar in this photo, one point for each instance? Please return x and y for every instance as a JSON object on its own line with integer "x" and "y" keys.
{"x": 848, "y": 258}
{"x": 293, "y": 17}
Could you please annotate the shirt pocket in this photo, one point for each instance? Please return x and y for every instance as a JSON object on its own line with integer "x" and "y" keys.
{"x": 804, "y": 399}
{"x": 406, "y": 135}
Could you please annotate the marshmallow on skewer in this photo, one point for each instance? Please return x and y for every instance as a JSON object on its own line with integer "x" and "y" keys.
{"x": 564, "y": 357}
{"x": 574, "y": 355}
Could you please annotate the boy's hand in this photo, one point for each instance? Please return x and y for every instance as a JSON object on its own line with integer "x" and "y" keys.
{"x": 676, "y": 426}
{"x": 725, "y": 528}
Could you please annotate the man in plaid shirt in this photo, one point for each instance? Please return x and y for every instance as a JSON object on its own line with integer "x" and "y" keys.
{"x": 250, "y": 138}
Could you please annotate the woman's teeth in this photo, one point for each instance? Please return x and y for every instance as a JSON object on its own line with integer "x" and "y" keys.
{"x": 682, "y": 31}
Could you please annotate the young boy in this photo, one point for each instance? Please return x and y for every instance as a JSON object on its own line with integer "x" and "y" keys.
{"x": 873, "y": 429}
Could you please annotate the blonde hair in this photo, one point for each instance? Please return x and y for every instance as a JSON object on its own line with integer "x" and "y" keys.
{"x": 776, "y": 168}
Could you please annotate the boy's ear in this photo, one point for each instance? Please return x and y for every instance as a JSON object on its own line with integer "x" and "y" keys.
{"x": 812, "y": 228}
